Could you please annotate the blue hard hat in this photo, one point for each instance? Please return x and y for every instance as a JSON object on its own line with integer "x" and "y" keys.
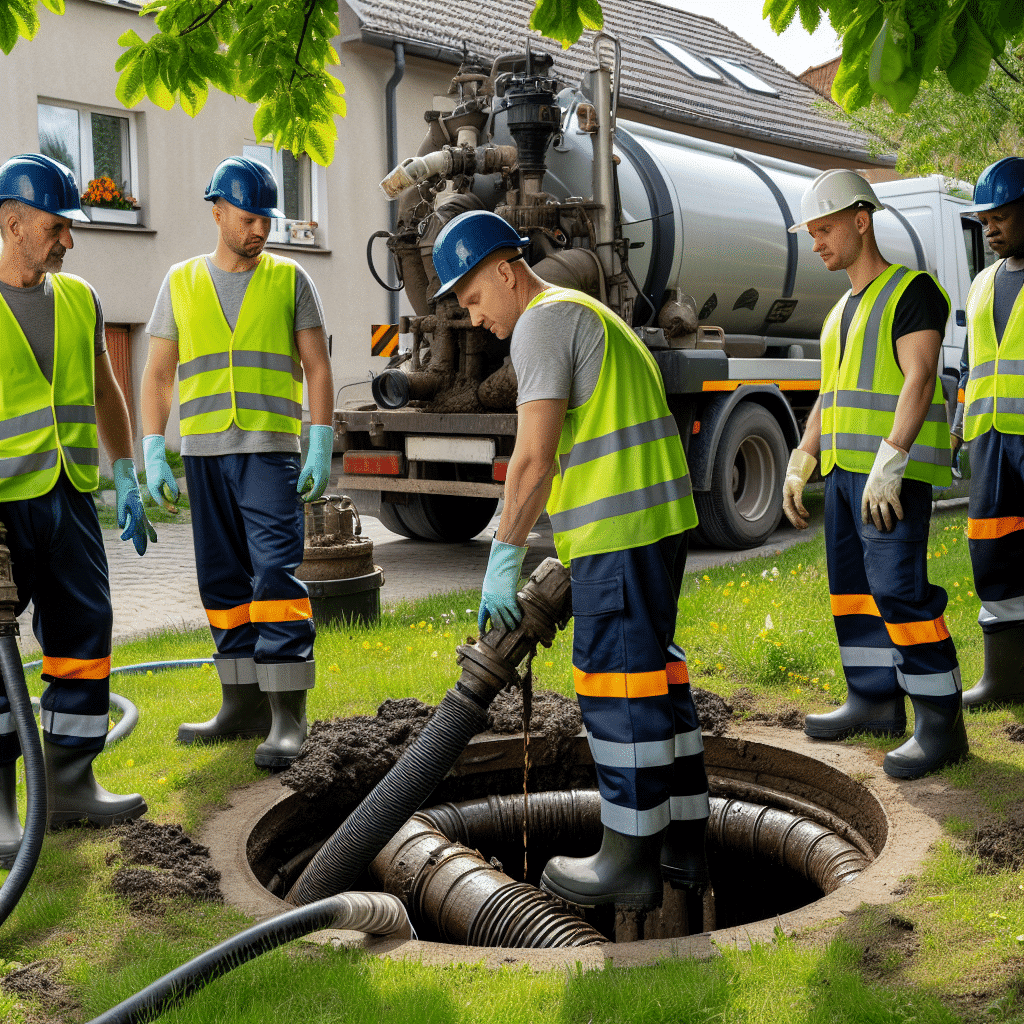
{"x": 43, "y": 183}
{"x": 245, "y": 183}
{"x": 466, "y": 240}
{"x": 1000, "y": 183}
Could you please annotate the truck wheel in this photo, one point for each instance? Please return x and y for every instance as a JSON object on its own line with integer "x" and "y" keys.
{"x": 744, "y": 504}
{"x": 444, "y": 518}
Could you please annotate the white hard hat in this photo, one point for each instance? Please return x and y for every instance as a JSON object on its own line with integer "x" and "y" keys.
{"x": 832, "y": 191}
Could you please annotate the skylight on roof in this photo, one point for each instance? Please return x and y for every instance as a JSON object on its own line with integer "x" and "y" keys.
{"x": 743, "y": 76}
{"x": 685, "y": 59}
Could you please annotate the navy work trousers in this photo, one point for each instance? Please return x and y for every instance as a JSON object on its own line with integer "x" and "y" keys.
{"x": 995, "y": 528}
{"x": 59, "y": 564}
{"x": 247, "y": 525}
{"x": 633, "y": 687}
{"x": 889, "y": 619}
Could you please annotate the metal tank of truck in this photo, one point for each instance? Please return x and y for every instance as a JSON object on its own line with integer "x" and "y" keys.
{"x": 686, "y": 239}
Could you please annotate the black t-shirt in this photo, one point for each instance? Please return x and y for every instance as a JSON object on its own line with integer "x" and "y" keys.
{"x": 922, "y": 307}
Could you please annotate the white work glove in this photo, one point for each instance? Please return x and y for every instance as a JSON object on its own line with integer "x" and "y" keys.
{"x": 798, "y": 472}
{"x": 882, "y": 491}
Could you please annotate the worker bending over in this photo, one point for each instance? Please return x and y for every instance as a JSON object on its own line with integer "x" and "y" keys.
{"x": 597, "y": 445}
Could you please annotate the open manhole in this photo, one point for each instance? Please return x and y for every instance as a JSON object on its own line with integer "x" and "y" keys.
{"x": 794, "y": 839}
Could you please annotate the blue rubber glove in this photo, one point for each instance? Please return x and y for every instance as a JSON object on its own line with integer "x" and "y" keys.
{"x": 130, "y": 513}
{"x": 317, "y": 470}
{"x": 159, "y": 478}
{"x": 501, "y": 581}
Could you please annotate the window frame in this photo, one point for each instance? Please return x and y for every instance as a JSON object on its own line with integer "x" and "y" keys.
{"x": 85, "y": 154}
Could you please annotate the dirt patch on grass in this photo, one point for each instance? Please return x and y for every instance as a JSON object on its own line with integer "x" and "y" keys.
{"x": 747, "y": 705}
{"x": 1015, "y": 732}
{"x": 38, "y": 982}
{"x": 999, "y": 846}
{"x": 1002, "y": 999}
{"x": 160, "y": 864}
{"x": 714, "y": 713}
{"x": 351, "y": 755}
{"x": 886, "y": 939}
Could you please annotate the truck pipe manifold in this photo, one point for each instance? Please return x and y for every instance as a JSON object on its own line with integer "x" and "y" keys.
{"x": 488, "y": 666}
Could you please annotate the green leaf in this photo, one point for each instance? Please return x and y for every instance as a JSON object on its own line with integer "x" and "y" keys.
{"x": 24, "y": 12}
{"x": 780, "y": 14}
{"x": 565, "y": 20}
{"x": 262, "y": 121}
{"x": 890, "y": 72}
{"x": 8, "y": 30}
{"x": 810, "y": 15}
{"x": 131, "y": 86}
{"x": 156, "y": 90}
{"x": 319, "y": 145}
{"x": 970, "y": 67}
{"x": 192, "y": 95}
{"x": 55, "y": 6}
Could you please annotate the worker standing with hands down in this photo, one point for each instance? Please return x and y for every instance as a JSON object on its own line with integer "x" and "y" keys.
{"x": 241, "y": 326}
{"x": 597, "y": 445}
{"x": 58, "y": 400}
{"x": 990, "y": 416}
{"x": 880, "y": 426}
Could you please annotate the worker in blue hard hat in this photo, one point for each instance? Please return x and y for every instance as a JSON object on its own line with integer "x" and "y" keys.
{"x": 879, "y": 426}
{"x": 990, "y": 420}
{"x": 241, "y": 326}
{"x": 58, "y": 398}
{"x": 597, "y": 446}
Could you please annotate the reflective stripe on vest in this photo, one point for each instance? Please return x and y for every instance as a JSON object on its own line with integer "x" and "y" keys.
{"x": 621, "y": 479}
{"x": 45, "y": 425}
{"x": 859, "y": 394}
{"x": 994, "y": 396}
{"x": 252, "y": 376}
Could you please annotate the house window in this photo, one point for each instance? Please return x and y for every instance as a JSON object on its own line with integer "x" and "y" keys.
{"x": 685, "y": 59}
{"x": 295, "y": 192}
{"x": 743, "y": 76}
{"x": 91, "y": 141}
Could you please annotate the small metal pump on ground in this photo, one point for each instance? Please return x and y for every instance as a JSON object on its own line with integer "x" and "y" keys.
{"x": 337, "y": 564}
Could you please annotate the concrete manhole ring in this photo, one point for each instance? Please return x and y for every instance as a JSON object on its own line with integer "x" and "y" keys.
{"x": 847, "y": 780}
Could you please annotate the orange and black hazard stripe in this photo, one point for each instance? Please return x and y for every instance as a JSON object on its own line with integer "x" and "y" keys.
{"x": 384, "y": 340}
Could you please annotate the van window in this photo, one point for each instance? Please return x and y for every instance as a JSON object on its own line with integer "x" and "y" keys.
{"x": 979, "y": 255}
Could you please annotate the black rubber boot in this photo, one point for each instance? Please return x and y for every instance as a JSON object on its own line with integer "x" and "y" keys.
{"x": 1002, "y": 682}
{"x": 684, "y": 864}
{"x": 244, "y": 711}
{"x": 939, "y": 739}
{"x": 73, "y": 794}
{"x": 626, "y": 871}
{"x": 285, "y": 686}
{"x": 10, "y": 823}
{"x": 886, "y": 717}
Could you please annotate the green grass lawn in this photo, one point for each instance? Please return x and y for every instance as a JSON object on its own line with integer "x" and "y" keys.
{"x": 762, "y": 625}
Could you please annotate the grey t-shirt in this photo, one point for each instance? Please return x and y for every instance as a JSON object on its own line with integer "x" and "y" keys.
{"x": 557, "y": 351}
{"x": 230, "y": 290}
{"x": 33, "y": 309}
{"x": 1006, "y": 289}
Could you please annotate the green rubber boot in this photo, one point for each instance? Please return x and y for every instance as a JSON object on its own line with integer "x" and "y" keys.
{"x": 1002, "y": 682}
{"x": 10, "y": 823}
{"x": 285, "y": 685}
{"x": 626, "y": 871}
{"x": 244, "y": 711}
{"x": 73, "y": 794}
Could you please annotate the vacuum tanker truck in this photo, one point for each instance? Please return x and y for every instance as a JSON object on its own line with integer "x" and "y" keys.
{"x": 685, "y": 239}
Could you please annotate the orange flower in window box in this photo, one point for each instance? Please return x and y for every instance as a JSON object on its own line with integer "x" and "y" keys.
{"x": 104, "y": 192}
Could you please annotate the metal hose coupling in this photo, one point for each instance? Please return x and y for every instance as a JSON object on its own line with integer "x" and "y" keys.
{"x": 488, "y": 666}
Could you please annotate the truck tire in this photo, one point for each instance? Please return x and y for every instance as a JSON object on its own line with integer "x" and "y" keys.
{"x": 744, "y": 504}
{"x": 443, "y": 518}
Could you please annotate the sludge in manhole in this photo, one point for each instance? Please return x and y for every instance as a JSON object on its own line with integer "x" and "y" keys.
{"x": 765, "y": 860}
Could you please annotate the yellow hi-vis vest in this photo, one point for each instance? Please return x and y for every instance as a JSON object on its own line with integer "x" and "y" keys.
{"x": 858, "y": 395}
{"x": 42, "y": 424}
{"x": 620, "y": 473}
{"x": 994, "y": 396}
{"x": 252, "y": 376}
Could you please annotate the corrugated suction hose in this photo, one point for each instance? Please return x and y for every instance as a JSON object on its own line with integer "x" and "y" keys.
{"x": 488, "y": 666}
